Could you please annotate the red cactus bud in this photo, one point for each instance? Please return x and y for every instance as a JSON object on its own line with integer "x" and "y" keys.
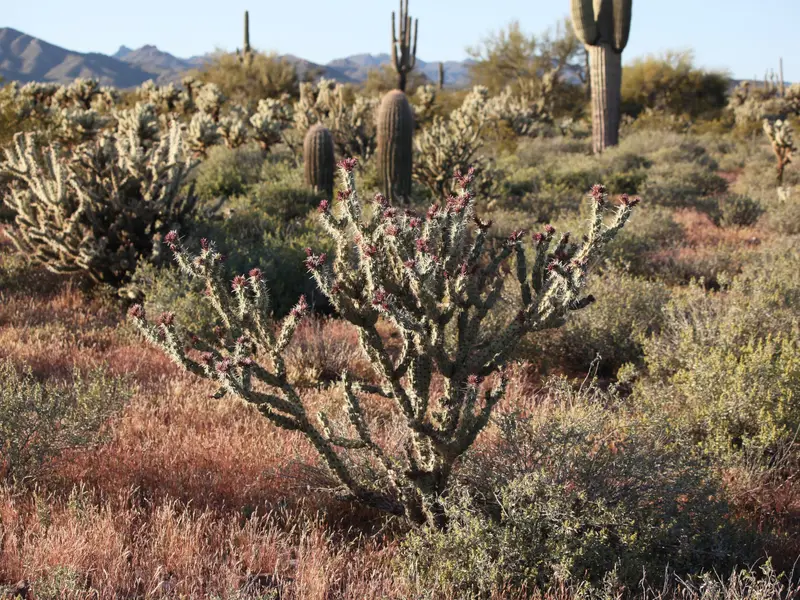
{"x": 549, "y": 230}
{"x": 323, "y": 206}
{"x": 166, "y": 319}
{"x": 206, "y": 358}
{"x": 392, "y": 230}
{"x": 516, "y": 236}
{"x": 464, "y": 180}
{"x": 204, "y": 244}
{"x": 239, "y": 282}
{"x": 300, "y": 308}
{"x": 414, "y": 222}
{"x": 348, "y": 164}
{"x": 598, "y": 193}
{"x": 256, "y": 274}
{"x": 628, "y": 201}
{"x": 343, "y": 195}
{"x": 381, "y": 299}
{"x": 219, "y": 332}
{"x": 474, "y": 380}
{"x": 223, "y": 366}
{"x": 171, "y": 239}
{"x": 314, "y": 262}
{"x": 422, "y": 245}
{"x": 245, "y": 362}
{"x": 389, "y": 213}
{"x": 136, "y": 312}
{"x": 381, "y": 200}
{"x": 410, "y": 264}
{"x": 433, "y": 211}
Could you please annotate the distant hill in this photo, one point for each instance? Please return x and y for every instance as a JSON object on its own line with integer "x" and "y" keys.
{"x": 25, "y": 58}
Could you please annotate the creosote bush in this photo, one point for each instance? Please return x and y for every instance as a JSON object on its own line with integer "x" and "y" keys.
{"x": 423, "y": 275}
{"x": 566, "y": 495}
{"x": 38, "y": 421}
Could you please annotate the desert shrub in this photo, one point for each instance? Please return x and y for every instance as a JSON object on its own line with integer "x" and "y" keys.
{"x": 726, "y": 365}
{"x": 736, "y": 210}
{"x": 39, "y": 421}
{"x": 672, "y": 84}
{"x": 682, "y": 184}
{"x": 628, "y": 309}
{"x": 635, "y": 248}
{"x": 569, "y": 494}
{"x": 227, "y": 172}
{"x": 783, "y": 211}
{"x": 247, "y": 82}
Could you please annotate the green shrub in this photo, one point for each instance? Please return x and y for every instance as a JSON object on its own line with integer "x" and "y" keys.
{"x": 628, "y": 309}
{"x": 227, "y": 172}
{"x": 726, "y": 365}
{"x": 672, "y": 84}
{"x": 568, "y": 495}
{"x": 634, "y": 249}
{"x": 682, "y": 184}
{"x": 736, "y": 210}
{"x": 38, "y": 421}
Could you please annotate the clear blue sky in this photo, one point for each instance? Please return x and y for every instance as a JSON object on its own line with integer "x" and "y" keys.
{"x": 743, "y": 36}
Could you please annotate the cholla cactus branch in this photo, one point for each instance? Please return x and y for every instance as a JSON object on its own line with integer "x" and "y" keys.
{"x": 781, "y": 139}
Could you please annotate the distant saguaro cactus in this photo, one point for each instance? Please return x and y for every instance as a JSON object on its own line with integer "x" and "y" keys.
{"x": 395, "y": 143}
{"x": 441, "y": 76}
{"x": 404, "y": 54}
{"x": 246, "y": 55}
{"x": 318, "y": 158}
{"x": 603, "y": 26}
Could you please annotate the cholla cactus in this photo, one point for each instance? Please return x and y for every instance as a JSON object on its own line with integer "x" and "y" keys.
{"x": 270, "y": 120}
{"x": 527, "y": 106}
{"x": 96, "y": 208}
{"x": 430, "y": 278}
{"x": 138, "y": 125}
{"x": 80, "y": 93}
{"x": 202, "y": 133}
{"x": 424, "y": 99}
{"x": 451, "y": 144}
{"x": 780, "y": 136}
{"x": 209, "y": 100}
{"x": 167, "y": 98}
{"x": 751, "y": 105}
{"x": 233, "y": 129}
{"x": 78, "y": 125}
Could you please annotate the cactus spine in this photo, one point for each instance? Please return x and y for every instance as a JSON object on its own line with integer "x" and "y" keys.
{"x": 603, "y": 26}
{"x": 319, "y": 163}
{"x": 404, "y": 54}
{"x": 395, "y": 139}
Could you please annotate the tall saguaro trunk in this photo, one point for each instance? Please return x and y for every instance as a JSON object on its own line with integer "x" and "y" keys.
{"x": 605, "y": 77}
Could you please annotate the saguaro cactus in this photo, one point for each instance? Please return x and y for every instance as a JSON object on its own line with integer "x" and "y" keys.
{"x": 246, "y": 53}
{"x": 319, "y": 163}
{"x": 395, "y": 139}
{"x": 603, "y": 26}
{"x": 441, "y": 76}
{"x": 404, "y": 54}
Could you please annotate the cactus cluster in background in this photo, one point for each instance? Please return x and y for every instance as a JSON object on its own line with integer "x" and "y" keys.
{"x": 781, "y": 138}
{"x": 404, "y": 47}
{"x": 527, "y": 107}
{"x": 751, "y": 104}
{"x": 102, "y": 205}
{"x": 603, "y": 26}
{"x": 451, "y": 144}
{"x": 351, "y": 120}
{"x": 426, "y": 276}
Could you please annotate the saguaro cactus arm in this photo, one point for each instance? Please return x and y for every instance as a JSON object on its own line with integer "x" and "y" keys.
{"x": 404, "y": 50}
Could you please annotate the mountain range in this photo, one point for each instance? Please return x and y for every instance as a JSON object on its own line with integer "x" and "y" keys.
{"x": 25, "y": 58}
